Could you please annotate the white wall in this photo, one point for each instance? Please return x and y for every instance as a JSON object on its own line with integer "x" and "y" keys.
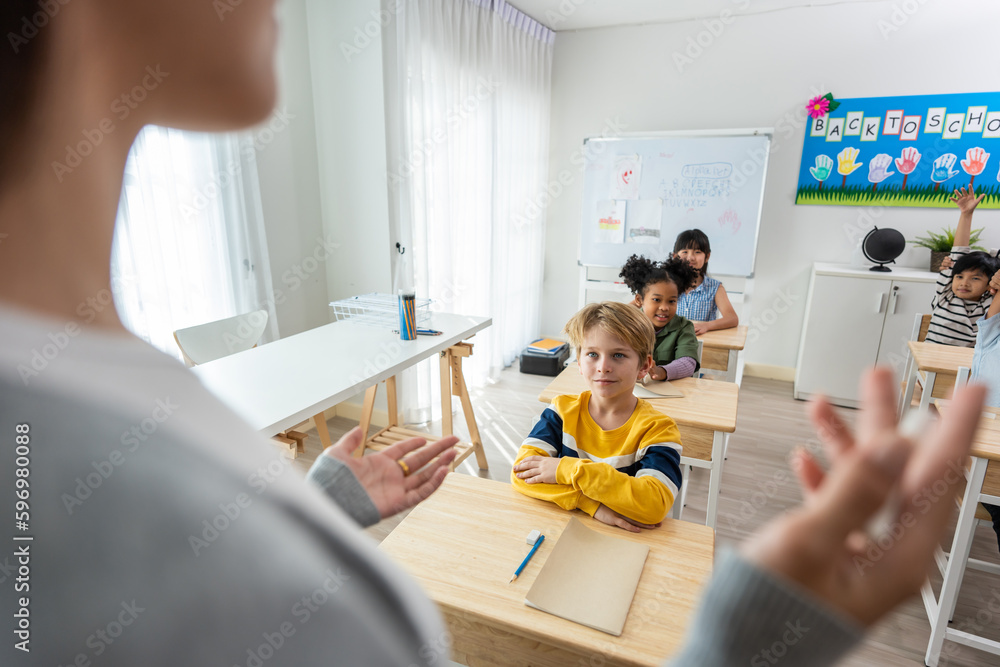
{"x": 350, "y": 141}
{"x": 760, "y": 71}
{"x": 322, "y": 172}
{"x": 289, "y": 179}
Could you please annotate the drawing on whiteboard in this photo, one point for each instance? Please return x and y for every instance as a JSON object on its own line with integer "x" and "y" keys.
{"x": 610, "y": 216}
{"x": 644, "y": 217}
{"x": 626, "y": 176}
{"x": 700, "y": 185}
{"x": 730, "y": 221}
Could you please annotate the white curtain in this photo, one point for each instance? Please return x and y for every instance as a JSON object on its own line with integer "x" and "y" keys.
{"x": 189, "y": 239}
{"x": 467, "y": 96}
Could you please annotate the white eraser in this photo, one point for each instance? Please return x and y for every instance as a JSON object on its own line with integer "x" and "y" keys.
{"x": 533, "y": 537}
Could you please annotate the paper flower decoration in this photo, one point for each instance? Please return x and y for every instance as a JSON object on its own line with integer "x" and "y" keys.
{"x": 818, "y": 107}
{"x": 822, "y": 105}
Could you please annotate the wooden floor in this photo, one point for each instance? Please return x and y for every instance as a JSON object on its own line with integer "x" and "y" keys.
{"x": 757, "y": 485}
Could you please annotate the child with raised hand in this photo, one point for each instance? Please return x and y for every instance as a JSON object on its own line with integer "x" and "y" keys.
{"x": 605, "y": 451}
{"x": 656, "y": 287}
{"x": 962, "y": 297}
{"x": 707, "y": 297}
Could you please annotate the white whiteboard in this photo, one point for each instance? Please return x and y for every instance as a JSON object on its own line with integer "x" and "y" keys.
{"x": 710, "y": 182}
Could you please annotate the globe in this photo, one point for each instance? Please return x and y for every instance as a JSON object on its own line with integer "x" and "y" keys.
{"x": 883, "y": 246}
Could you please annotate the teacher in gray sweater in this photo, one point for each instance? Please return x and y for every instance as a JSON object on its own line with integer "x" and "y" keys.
{"x": 193, "y": 545}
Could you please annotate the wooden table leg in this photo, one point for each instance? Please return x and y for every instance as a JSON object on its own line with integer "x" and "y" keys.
{"x": 446, "y": 425}
{"x": 470, "y": 416}
{"x": 390, "y": 398}
{"x": 366, "y": 419}
{"x": 322, "y": 431}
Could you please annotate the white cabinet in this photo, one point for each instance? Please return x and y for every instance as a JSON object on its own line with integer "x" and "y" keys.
{"x": 855, "y": 319}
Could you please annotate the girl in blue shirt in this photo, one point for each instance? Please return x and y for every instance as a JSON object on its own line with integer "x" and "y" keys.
{"x": 707, "y": 298}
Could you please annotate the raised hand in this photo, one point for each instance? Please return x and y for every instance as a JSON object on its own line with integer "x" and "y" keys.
{"x": 822, "y": 546}
{"x": 821, "y": 172}
{"x": 995, "y": 283}
{"x": 966, "y": 199}
{"x": 878, "y": 169}
{"x": 974, "y": 163}
{"x": 943, "y": 169}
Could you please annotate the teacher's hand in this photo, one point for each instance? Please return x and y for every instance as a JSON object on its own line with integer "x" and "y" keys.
{"x": 382, "y": 476}
{"x": 821, "y": 545}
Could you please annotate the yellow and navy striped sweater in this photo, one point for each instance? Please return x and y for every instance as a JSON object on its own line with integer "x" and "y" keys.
{"x": 633, "y": 469}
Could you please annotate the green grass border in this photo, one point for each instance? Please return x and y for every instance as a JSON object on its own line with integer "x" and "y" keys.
{"x": 891, "y": 195}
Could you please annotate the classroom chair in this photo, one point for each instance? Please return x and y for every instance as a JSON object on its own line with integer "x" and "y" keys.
{"x": 207, "y": 342}
{"x": 213, "y": 340}
{"x": 921, "y": 323}
{"x": 945, "y": 603}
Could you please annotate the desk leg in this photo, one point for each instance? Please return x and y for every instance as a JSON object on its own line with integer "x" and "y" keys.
{"x": 677, "y": 511}
{"x": 321, "y": 430}
{"x": 911, "y": 383}
{"x": 715, "y": 477}
{"x": 927, "y": 391}
{"x": 366, "y": 418}
{"x": 731, "y": 365}
{"x": 470, "y": 417}
{"x": 390, "y": 398}
{"x": 446, "y": 425}
{"x": 956, "y": 564}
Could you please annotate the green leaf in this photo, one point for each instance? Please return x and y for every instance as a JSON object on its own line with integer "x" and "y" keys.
{"x": 946, "y": 241}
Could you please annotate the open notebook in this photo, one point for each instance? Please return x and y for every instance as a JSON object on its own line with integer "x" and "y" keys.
{"x": 656, "y": 389}
{"x": 602, "y": 598}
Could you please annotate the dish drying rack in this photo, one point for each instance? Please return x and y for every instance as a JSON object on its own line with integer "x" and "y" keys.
{"x": 378, "y": 310}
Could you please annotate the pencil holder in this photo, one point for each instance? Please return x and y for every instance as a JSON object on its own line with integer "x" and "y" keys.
{"x": 407, "y": 317}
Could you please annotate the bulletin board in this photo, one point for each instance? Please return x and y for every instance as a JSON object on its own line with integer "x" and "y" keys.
{"x": 639, "y": 192}
{"x": 902, "y": 151}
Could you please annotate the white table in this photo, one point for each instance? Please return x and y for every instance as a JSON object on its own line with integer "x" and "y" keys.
{"x": 284, "y": 383}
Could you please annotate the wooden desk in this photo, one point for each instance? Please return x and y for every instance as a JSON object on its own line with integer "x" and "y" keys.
{"x": 276, "y": 386}
{"x": 985, "y": 448}
{"x": 720, "y": 351}
{"x": 463, "y": 554}
{"x": 939, "y": 365}
{"x": 704, "y": 415}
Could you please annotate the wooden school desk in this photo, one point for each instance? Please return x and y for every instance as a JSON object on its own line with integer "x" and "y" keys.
{"x": 464, "y": 542}
{"x": 720, "y": 351}
{"x": 939, "y": 364}
{"x": 704, "y": 415}
{"x": 985, "y": 448}
{"x": 276, "y": 386}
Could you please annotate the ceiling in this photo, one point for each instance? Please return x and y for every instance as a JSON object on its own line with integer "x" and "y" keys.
{"x": 584, "y": 14}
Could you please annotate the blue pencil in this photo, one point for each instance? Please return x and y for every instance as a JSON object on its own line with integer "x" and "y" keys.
{"x": 524, "y": 562}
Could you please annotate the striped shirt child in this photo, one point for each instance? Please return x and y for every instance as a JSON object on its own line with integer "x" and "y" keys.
{"x": 954, "y": 320}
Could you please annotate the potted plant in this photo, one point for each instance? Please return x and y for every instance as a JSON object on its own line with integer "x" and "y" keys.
{"x": 940, "y": 244}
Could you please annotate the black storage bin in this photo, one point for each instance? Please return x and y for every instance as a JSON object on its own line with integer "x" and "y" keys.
{"x": 544, "y": 364}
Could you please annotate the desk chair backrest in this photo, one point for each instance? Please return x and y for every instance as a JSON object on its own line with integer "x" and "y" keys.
{"x": 213, "y": 340}
{"x": 920, "y": 325}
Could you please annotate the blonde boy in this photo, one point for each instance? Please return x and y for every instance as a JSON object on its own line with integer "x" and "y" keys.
{"x": 605, "y": 451}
